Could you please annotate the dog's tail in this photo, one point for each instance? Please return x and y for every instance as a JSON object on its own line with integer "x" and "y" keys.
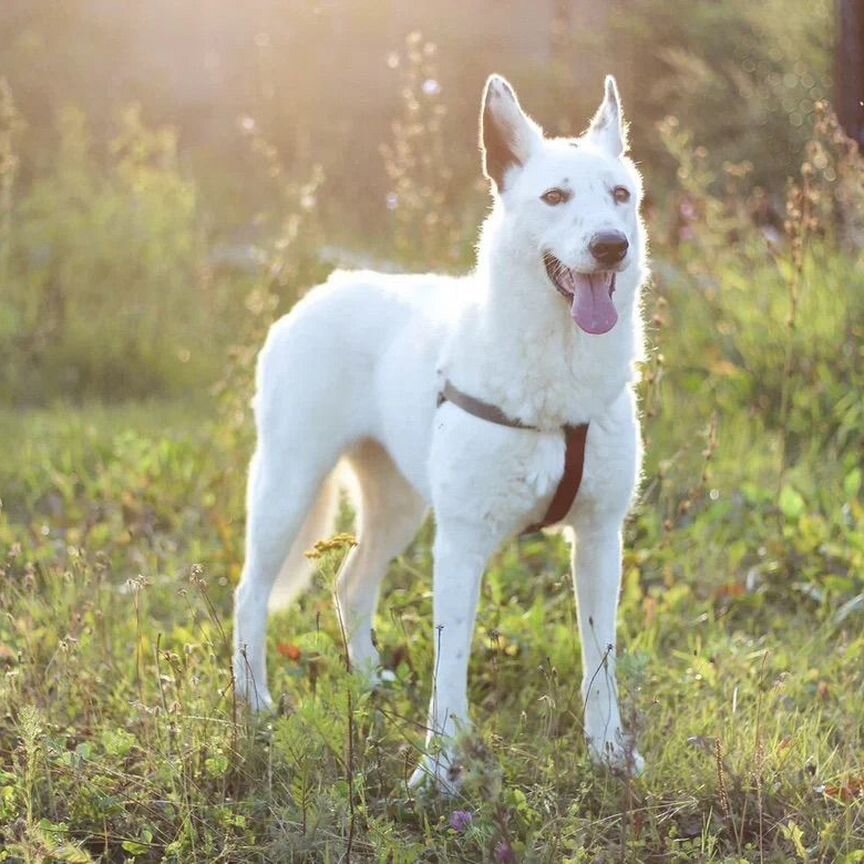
{"x": 297, "y": 569}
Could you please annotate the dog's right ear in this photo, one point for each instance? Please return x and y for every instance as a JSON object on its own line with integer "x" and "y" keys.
{"x": 507, "y": 133}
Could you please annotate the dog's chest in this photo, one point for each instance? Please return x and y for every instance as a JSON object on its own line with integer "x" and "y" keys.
{"x": 501, "y": 479}
{"x": 550, "y": 381}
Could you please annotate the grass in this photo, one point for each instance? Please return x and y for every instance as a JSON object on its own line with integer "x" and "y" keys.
{"x": 121, "y": 740}
{"x": 741, "y": 631}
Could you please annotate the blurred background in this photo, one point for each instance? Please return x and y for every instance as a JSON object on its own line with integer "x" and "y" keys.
{"x": 174, "y": 174}
{"x": 160, "y": 160}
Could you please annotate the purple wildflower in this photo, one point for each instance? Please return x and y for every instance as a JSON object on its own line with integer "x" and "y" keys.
{"x": 504, "y": 853}
{"x": 460, "y": 820}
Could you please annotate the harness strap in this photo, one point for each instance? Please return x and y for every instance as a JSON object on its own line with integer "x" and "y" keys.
{"x": 574, "y": 453}
{"x": 571, "y": 480}
{"x": 477, "y": 407}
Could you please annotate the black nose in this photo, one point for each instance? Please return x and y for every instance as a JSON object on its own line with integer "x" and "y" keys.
{"x": 608, "y": 247}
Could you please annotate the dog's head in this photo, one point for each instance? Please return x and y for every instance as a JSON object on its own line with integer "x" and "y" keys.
{"x": 573, "y": 201}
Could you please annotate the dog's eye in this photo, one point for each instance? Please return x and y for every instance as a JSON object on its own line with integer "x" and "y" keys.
{"x": 554, "y": 197}
{"x": 621, "y": 194}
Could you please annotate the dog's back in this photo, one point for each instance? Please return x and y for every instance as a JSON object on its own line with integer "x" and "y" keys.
{"x": 323, "y": 364}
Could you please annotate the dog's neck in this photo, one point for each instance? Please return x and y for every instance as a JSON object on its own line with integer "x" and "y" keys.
{"x": 537, "y": 364}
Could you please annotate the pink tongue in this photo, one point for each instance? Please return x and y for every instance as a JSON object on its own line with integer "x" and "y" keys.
{"x": 592, "y": 307}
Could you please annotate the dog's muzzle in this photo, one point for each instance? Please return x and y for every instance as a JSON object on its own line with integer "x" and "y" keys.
{"x": 589, "y": 294}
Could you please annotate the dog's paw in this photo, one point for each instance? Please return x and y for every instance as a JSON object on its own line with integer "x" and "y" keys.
{"x": 437, "y": 774}
{"x": 618, "y": 755}
{"x": 374, "y": 676}
{"x": 256, "y": 698}
{"x": 383, "y": 680}
{"x": 260, "y": 700}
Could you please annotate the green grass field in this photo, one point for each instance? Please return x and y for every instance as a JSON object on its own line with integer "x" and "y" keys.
{"x": 741, "y": 635}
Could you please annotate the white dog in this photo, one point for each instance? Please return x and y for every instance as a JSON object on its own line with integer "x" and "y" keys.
{"x": 461, "y": 394}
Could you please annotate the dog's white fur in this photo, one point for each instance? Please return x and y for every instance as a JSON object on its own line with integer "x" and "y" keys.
{"x": 353, "y": 372}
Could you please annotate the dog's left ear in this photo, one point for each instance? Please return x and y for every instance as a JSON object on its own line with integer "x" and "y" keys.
{"x": 507, "y": 133}
{"x": 608, "y": 129}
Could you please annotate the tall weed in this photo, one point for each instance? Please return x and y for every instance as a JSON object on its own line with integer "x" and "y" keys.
{"x": 423, "y": 203}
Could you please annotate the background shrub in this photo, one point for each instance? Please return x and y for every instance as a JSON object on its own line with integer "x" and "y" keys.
{"x": 138, "y": 216}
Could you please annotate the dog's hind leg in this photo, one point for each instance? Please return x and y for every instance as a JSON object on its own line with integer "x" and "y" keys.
{"x": 287, "y": 503}
{"x": 389, "y": 514}
{"x": 297, "y": 569}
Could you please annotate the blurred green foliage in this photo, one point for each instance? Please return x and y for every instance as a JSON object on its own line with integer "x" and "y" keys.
{"x": 745, "y": 76}
{"x": 147, "y": 257}
{"x": 161, "y": 161}
{"x": 103, "y": 293}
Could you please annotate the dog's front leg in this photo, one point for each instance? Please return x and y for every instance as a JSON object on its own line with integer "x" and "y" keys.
{"x": 459, "y": 565}
{"x": 596, "y": 560}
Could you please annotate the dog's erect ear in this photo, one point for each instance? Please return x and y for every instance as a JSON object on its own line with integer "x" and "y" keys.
{"x": 507, "y": 133}
{"x": 608, "y": 129}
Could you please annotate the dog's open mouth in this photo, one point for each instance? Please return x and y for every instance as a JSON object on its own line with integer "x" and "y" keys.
{"x": 589, "y": 294}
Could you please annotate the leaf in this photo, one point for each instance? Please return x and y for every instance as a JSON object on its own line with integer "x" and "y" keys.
{"x": 791, "y": 503}
{"x": 140, "y": 846}
{"x": 729, "y": 590}
{"x": 118, "y": 742}
{"x": 50, "y": 827}
{"x": 852, "y": 483}
{"x": 706, "y": 669}
{"x": 851, "y": 789}
{"x": 793, "y": 833}
{"x": 290, "y": 651}
{"x": 217, "y": 765}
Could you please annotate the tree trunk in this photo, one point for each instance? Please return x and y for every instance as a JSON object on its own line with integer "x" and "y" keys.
{"x": 849, "y": 71}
